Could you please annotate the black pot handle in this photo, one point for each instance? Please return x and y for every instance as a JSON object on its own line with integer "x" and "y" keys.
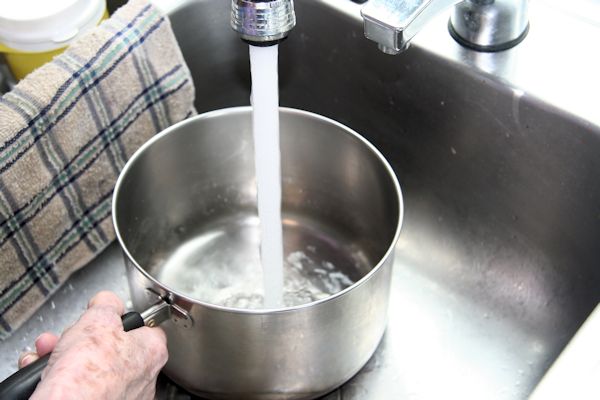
{"x": 21, "y": 384}
{"x": 132, "y": 320}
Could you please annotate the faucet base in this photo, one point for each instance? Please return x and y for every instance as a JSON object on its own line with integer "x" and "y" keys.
{"x": 489, "y": 25}
{"x": 486, "y": 48}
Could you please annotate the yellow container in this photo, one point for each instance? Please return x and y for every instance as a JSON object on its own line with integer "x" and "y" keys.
{"x": 33, "y": 32}
{"x": 21, "y": 63}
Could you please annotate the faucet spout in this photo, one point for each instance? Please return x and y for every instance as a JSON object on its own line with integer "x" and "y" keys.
{"x": 393, "y": 23}
{"x": 483, "y": 25}
{"x": 262, "y": 22}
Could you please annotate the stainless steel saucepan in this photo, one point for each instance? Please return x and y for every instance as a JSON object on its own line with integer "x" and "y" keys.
{"x": 184, "y": 212}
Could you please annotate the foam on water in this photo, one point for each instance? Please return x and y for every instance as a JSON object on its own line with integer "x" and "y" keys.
{"x": 302, "y": 284}
{"x": 201, "y": 270}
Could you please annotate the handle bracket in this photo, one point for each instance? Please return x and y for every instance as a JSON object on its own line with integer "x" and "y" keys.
{"x": 163, "y": 310}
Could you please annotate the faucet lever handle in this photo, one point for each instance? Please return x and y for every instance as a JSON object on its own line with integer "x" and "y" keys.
{"x": 393, "y": 23}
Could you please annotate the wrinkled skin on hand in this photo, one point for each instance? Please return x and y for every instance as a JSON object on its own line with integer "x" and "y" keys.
{"x": 96, "y": 359}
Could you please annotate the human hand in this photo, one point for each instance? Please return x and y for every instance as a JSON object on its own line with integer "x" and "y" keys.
{"x": 96, "y": 359}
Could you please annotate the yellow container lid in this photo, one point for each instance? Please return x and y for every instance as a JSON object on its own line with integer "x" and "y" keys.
{"x": 33, "y": 26}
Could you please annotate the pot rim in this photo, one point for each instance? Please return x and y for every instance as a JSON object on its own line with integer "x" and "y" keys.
{"x": 260, "y": 311}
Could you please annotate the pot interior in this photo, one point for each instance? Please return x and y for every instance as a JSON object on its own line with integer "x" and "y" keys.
{"x": 185, "y": 208}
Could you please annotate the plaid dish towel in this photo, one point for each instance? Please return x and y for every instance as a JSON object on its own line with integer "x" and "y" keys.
{"x": 66, "y": 131}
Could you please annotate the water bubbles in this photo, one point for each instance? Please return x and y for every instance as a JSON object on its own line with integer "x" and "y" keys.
{"x": 296, "y": 260}
{"x": 244, "y": 300}
{"x": 337, "y": 282}
{"x": 305, "y": 280}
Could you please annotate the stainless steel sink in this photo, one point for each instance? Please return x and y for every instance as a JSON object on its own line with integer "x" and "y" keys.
{"x": 498, "y": 156}
{"x": 499, "y": 260}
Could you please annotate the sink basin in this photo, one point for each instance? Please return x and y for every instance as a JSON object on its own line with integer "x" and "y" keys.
{"x": 498, "y": 263}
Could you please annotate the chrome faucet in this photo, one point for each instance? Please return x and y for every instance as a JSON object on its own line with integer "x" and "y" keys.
{"x": 262, "y": 22}
{"x": 483, "y": 25}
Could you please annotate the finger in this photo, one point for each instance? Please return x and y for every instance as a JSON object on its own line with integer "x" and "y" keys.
{"x": 27, "y": 358}
{"x": 107, "y": 299}
{"x": 45, "y": 343}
